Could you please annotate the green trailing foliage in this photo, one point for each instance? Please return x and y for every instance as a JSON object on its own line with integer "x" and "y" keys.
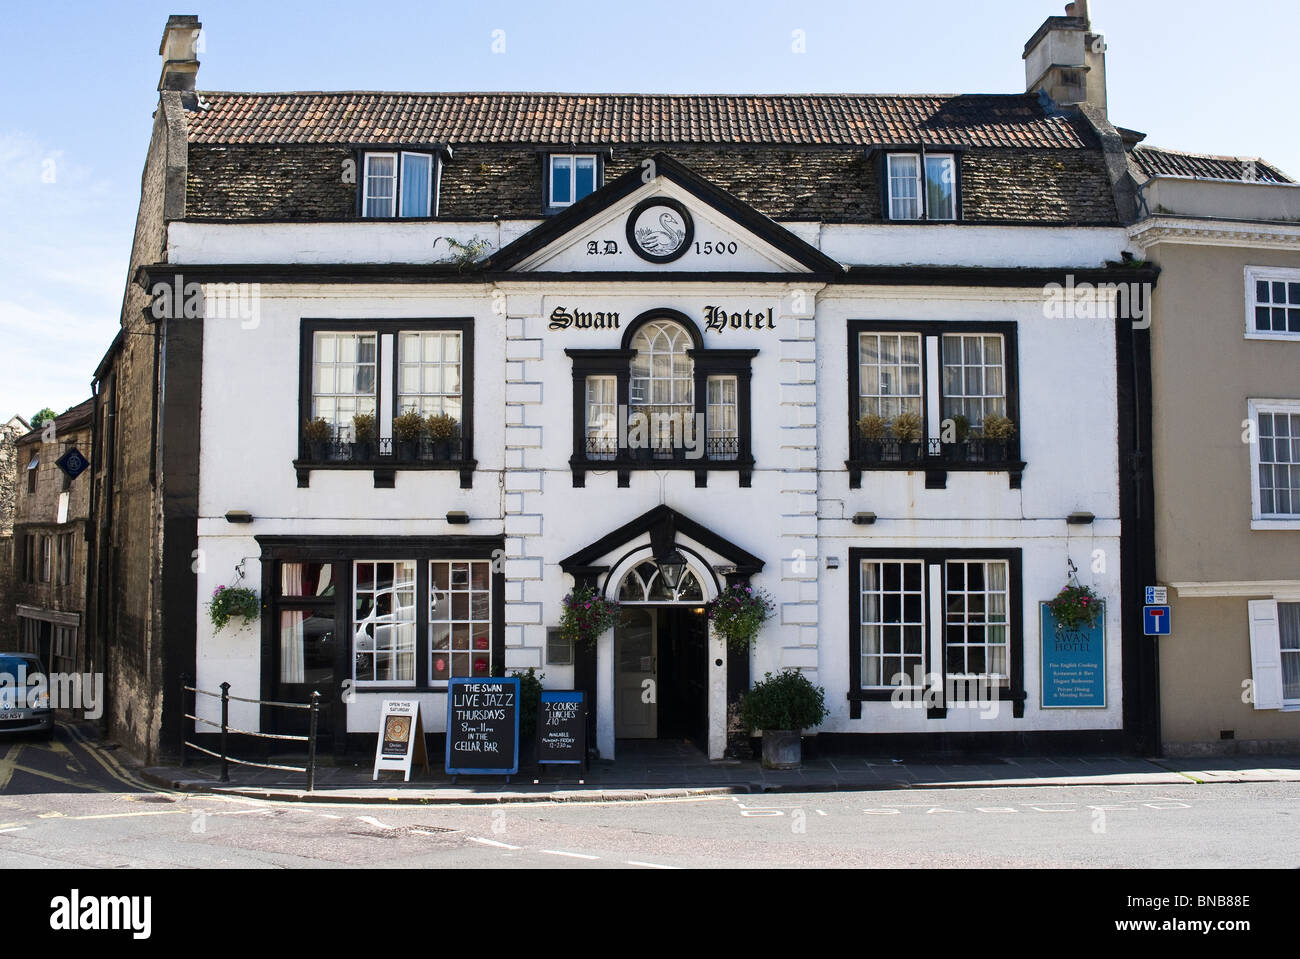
{"x": 1075, "y": 607}
{"x": 230, "y": 601}
{"x": 739, "y": 613}
{"x": 530, "y": 700}
{"x": 586, "y": 615}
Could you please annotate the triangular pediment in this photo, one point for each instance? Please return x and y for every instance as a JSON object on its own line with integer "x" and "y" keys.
{"x": 661, "y": 218}
{"x": 663, "y": 528}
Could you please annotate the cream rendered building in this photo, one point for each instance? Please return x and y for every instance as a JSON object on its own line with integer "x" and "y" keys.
{"x": 1225, "y": 363}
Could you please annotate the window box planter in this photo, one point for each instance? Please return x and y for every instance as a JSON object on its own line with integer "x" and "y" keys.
{"x": 363, "y": 452}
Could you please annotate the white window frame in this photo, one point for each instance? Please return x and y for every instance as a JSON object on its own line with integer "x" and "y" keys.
{"x": 878, "y": 397}
{"x": 903, "y": 624}
{"x": 1266, "y": 274}
{"x": 344, "y": 429}
{"x": 990, "y": 403}
{"x": 602, "y": 414}
{"x": 365, "y": 184}
{"x": 923, "y": 211}
{"x": 428, "y": 404}
{"x": 413, "y": 623}
{"x": 573, "y": 177}
{"x": 399, "y": 170}
{"x": 1270, "y": 521}
{"x": 448, "y": 618}
{"x": 401, "y": 175}
{"x": 1265, "y": 625}
{"x": 717, "y": 413}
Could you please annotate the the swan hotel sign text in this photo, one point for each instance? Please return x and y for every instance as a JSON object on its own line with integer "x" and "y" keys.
{"x": 715, "y": 318}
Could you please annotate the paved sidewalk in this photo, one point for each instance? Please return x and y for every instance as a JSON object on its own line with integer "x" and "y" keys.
{"x": 641, "y": 777}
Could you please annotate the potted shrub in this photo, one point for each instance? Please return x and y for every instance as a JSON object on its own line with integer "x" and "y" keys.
{"x": 318, "y": 435}
{"x": 230, "y": 601}
{"x": 739, "y": 613}
{"x": 1076, "y": 607}
{"x": 959, "y": 449}
{"x": 997, "y": 431}
{"x": 442, "y": 432}
{"x": 906, "y": 428}
{"x": 409, "y": 428}
{"x": 780, "y": 707}
{"x": 586, "y": 615}
{"x": 873, "y": 429}
{"x": 530, "y": 703}
{"x": 363, "y": 441}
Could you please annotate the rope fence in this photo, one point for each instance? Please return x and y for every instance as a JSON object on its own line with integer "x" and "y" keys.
{"x": 224, "y": 755}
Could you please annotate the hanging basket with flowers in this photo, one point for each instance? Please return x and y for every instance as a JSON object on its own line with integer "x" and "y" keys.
{"x": 228, "y": 601}
{"x": 1076, "y": 607}
{"x": 586, "y": 615}
{"x": 739, "y": 613}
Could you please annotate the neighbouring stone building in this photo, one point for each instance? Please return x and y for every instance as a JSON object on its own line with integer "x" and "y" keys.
{"x": 51, "y": 530}
{"x": 15, "y": 427}
{"x": 1225, "y": 342}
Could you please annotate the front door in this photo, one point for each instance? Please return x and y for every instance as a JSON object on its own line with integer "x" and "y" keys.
{"x": 304, "y": 650}
{"x": 636, "y": 700}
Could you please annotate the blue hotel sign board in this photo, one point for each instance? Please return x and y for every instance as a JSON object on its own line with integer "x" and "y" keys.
{"x": 1074, "y": 663}
{"x": 483, "y": 727}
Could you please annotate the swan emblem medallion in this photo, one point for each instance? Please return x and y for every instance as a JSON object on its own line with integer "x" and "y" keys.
{"x": 660, "y": 230}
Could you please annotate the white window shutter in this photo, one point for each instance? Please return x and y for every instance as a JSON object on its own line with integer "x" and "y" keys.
{"x": 1265, "y": 654}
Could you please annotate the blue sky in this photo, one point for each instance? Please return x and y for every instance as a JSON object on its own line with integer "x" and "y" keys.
{"x": 80, "y": 78}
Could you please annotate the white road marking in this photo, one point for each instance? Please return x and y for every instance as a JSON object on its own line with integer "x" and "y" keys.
{"x": 14, "y": 829}
{"x": 493, "y": 842}
{"x": 571, "y": 855}
{"x": 372, "y": 821}
{"x": 649, "y": 865}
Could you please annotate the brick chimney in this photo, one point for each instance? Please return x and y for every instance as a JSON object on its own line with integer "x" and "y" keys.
{"x": 1065, "y": 59}
{"x": 180, "y": 47}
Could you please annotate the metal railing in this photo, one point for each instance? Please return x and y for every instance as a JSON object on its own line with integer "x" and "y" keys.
{"x": 225, "y": 727}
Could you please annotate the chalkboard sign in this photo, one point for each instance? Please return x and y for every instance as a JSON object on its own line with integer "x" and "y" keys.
{"x": 562, "y": 727}
{"x": 483, "y": 727}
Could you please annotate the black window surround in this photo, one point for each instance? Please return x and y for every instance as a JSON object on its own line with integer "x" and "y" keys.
{"x": 1014, "y": 693}
{"x": 544, "y": 159}
{"x": 706, "y": 363}
{"x": 880, "y": 158}
{"x": 935, "y": 457}
{"x": 342, "y": 552}
{"x": 384, "y": 461}
{"x": 438, "y": 154}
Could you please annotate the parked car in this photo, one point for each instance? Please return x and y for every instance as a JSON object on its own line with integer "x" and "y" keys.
{"x": 23, "y": 708}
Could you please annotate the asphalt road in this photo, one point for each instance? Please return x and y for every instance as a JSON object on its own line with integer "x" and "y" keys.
{"x": 71, "y": 803}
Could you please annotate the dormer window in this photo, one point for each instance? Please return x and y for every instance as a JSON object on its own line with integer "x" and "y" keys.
{"x": 398, "y": 184}
{"x": 921, "y": 187}
{"x": 571, "y": 176}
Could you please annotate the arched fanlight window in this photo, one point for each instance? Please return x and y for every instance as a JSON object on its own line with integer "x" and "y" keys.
{"x": 645, "y": 584}
{"x": 662, "y": 384}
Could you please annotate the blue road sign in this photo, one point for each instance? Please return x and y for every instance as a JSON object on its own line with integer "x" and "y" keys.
{"x": 1158, "y": 620}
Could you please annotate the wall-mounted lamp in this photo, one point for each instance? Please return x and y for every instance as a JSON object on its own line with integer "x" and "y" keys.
{"x": 1080, "y": 519}
{"x": 864, "y": 519}
{"x": 458, "y": 518}
{"x": 239, "y": 516}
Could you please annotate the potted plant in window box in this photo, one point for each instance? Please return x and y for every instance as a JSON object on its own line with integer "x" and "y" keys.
{"x": 318, "y": 436}
{"x": 442, "y": 434}
{"x": 906, "y": 428}
{"x": 409, "y": 428}
{"x": 959, "y": 448}
{"x": 872, "y": 429}
{"x": 781, "y": 707}
{"x": 997, "y": 432}
{"x": 363, "y": 443}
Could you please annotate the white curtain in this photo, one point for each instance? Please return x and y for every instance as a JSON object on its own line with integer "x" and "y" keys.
{"x": 416, "y": 179}
{"x": 1288, "y": 626}
{"x": 291, "y": 628}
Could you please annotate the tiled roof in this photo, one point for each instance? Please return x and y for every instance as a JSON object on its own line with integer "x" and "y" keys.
{"x": 1156, "y": 162}
{"x": 561, "y": 118}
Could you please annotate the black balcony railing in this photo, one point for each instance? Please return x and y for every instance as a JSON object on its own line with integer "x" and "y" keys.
{"x": 717, "y": 449}
{"x": 384, "y": 452}
{"x": 932, "y": 452}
